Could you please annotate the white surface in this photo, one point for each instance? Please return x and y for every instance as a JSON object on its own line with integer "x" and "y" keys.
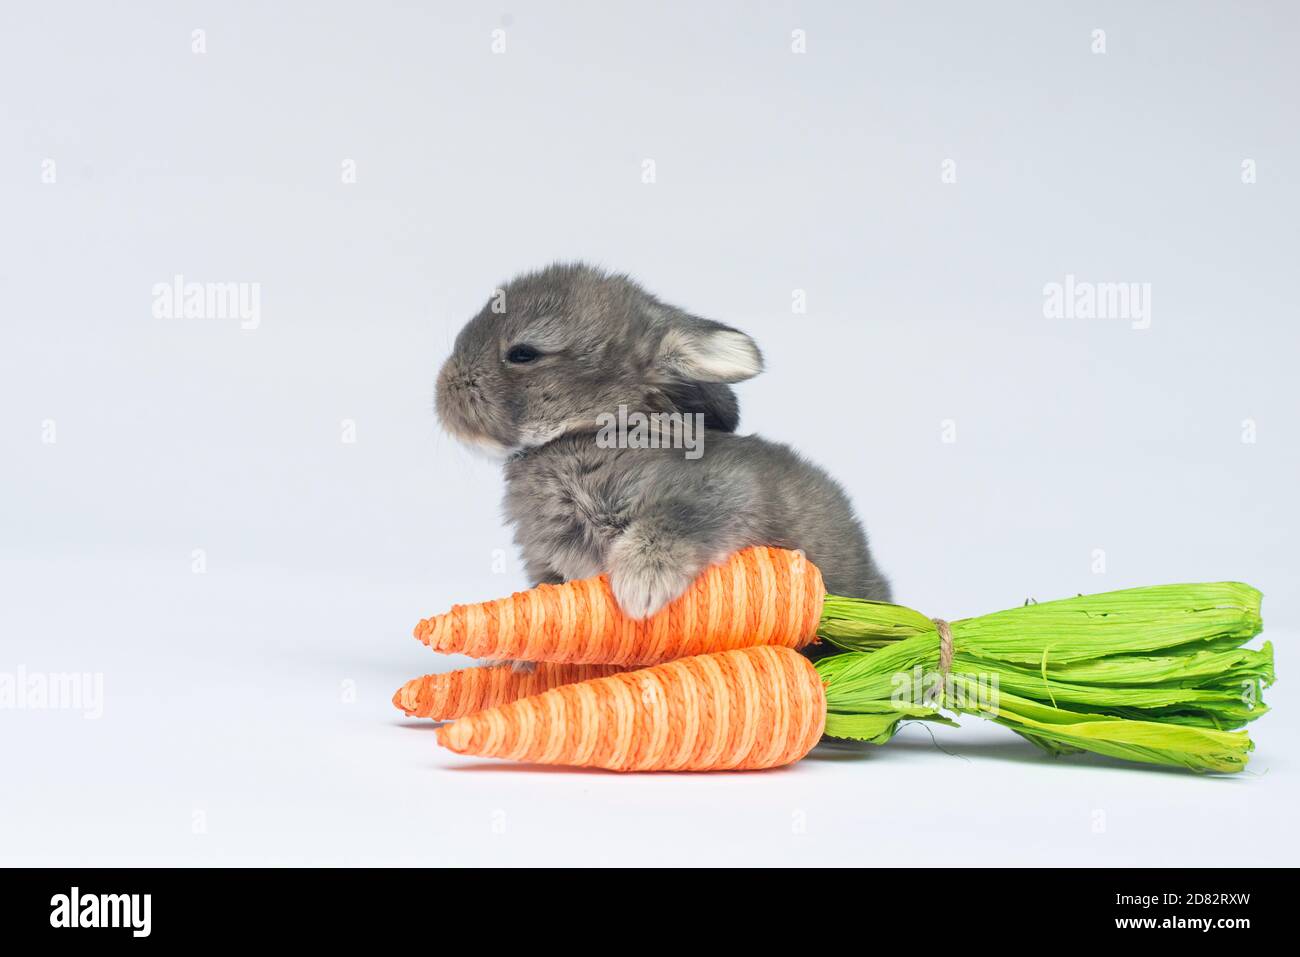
{"x": 776, "y": 172}
{"x": 224, "y": 696}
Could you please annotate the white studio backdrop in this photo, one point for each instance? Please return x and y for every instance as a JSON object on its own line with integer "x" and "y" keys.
{"x": 236, "y": 520}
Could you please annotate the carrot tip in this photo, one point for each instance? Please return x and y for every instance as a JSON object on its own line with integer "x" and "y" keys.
{"x": 435, "y": 632}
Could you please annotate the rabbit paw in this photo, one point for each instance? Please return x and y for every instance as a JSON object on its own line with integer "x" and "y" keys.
{"x": 645, "y": 576}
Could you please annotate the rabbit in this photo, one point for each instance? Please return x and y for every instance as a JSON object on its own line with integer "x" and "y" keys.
{"x": 537, "y": 377}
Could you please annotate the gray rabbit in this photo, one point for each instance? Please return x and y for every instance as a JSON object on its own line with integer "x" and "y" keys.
{"x": 539, "y": 375}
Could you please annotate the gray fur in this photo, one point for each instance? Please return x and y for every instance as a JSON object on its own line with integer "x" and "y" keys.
{"x": 651, "y": 518}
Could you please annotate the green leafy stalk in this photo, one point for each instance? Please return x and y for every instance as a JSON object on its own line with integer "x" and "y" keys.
{"x": 1156, "y": 675}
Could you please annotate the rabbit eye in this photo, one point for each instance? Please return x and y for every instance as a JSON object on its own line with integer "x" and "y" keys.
{"x": 521, "y": 354}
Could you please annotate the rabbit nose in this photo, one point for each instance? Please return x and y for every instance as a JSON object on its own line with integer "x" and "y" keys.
{"x": 450, "y": 376}
{"x": 454, "y": 377}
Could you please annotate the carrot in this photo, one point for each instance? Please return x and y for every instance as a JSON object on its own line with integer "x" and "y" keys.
{"x": 758, "y": 596}
{"x": 454, "y": 694}
{"x": 1158, "y": 675}
{"x": 734, "y": 710}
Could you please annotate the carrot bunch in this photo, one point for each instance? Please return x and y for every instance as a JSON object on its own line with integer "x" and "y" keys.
{"x": 1157, "y": 675}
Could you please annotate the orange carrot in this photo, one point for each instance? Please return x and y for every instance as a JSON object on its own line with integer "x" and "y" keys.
{"x": 454, "y": 694}
{"x": 749, "y": 708}
{"x": 758, "y": 596}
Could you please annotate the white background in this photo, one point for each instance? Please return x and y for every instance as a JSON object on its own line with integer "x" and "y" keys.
{"x": 253, "y": 699}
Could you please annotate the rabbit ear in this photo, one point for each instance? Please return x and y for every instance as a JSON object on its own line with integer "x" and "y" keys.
{"x": 702, "y": 350}
{"x": 715, "y": 401}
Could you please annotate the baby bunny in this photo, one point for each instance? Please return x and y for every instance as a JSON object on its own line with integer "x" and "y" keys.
{"x": 557, "y": 356}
